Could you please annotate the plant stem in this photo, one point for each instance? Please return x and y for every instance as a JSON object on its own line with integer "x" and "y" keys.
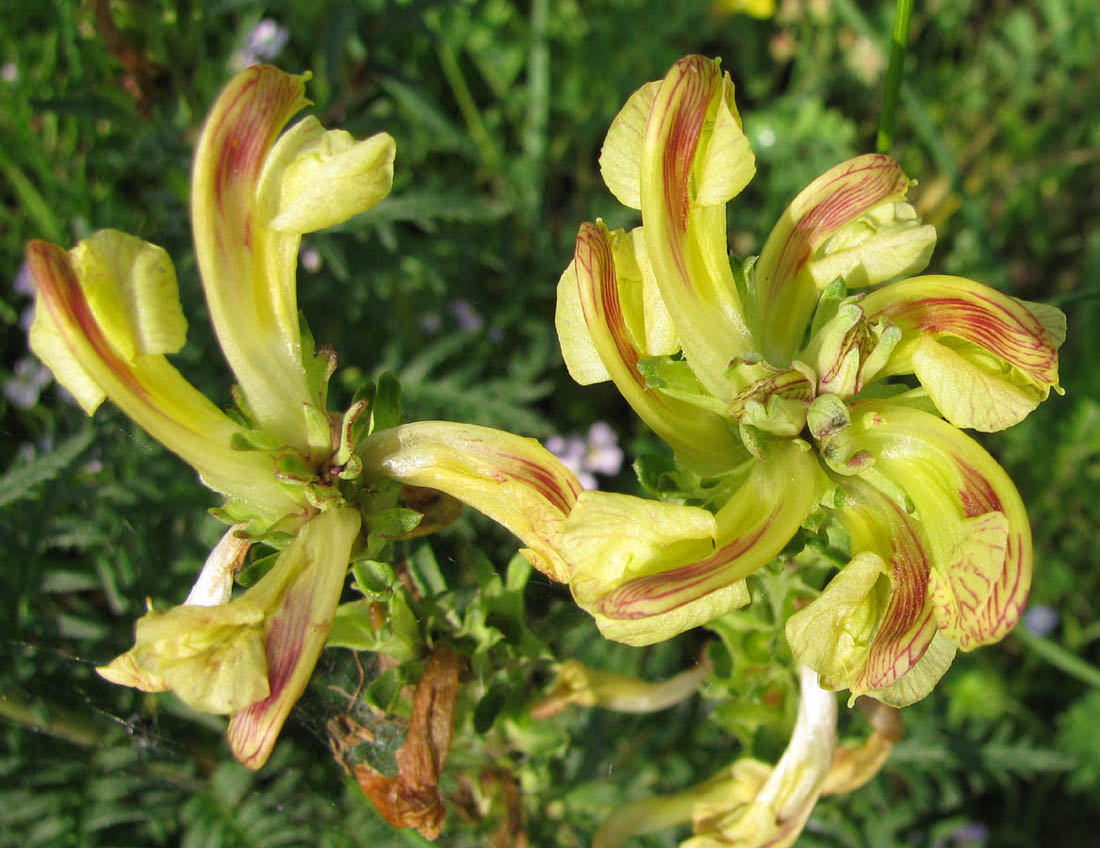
{"x": 1062, "y": 659}
{"x": 63, "y": 724}
{"x": 467, "y": 105}
{"x": 538, "y": 108}
{"x": 898, "y": 44}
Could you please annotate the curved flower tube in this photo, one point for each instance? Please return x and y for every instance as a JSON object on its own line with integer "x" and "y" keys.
{"x": 851, "y": 224}
{"x": 975, "y": 523}
{"x": 300, "y": 602}
{"x": 644, "y": 569}
{"x": 108, "y": 311}
{"x": 251, "y": 201}
{"x": 606, "y": 319}
{"x": 631, "y": 566}
{"x": 251, "y": 656}
{"x": 694, "y": 160}
{"x": 513, "y": 480}
{"x": 873, "y": 630}
{"x": 578, "y": 684}
{"x": 105, "y": 315}
{"x": 986, "y": 359}
{"x": 750, "y": 804}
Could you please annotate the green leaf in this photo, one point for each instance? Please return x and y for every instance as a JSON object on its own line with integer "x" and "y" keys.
{"x": 20, "y": 482}
{"x": 386, "y": 412}
{"x": 391, "y": 523}
{"x": 373, "y": 578}
{"x": 489, "y": 707}
{"x": 426, "y": 572}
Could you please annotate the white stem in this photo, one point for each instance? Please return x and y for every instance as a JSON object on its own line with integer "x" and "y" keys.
{"x": 215, "y": 583}
{"x": 801, "y": 770}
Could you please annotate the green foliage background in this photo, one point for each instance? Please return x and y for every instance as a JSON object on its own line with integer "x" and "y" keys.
{"x": 499, "y": 109}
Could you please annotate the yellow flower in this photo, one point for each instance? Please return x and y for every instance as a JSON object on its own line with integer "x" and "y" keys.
{"x": 749, "y": 804}
{"x": 766, "y": 378}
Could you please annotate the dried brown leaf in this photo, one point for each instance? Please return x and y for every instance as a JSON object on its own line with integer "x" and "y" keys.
{"x": 412, "y": 799}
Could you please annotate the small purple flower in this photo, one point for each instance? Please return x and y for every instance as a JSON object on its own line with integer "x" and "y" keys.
{"x": 599, "y": 453}
{"x": 23, "y": 284}
{"x": 469, "y": 319}
{"x": 29, "y": 378}
{"x": 971, "y": 834}
{"x": 311, "y": 260}
{"x": 1041, "y": 619}
{"x": 430, "y": 322}
{"x": 603, "y": 455}
{"x": 265, "y": 42}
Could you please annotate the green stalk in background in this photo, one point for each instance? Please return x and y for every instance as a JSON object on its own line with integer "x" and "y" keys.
{"x": 898, "y": 44}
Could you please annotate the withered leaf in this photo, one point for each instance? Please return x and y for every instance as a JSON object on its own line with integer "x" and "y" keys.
{"x": 412, "y": 799}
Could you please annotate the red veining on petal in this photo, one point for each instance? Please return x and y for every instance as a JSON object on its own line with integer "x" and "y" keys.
{"x": 845, "y": 197}
{"x": 559, "y": 492}
{"x": 988, "y": 621}
{"x": 659, "y": 593}
{"x": 56, "y": 279}
{"x": 694, "y": 88}
{"x": 600, "y": 296}
{"x": 680, "y": 112}
{"x": 245, "y": 123}
{"x": 249, "y": 734}
{"x": 1013, "y": 334}
{"x": 976, "y": 493}
{"x": 907, "y": 625}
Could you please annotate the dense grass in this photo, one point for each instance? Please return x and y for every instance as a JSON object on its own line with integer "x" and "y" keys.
{"x": 499, "y": 109}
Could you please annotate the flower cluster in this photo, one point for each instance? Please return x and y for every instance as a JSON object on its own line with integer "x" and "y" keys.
{"x": 106, "y": 314}
{"x": 819, "y": 385}
{"x": 769, "y": 380}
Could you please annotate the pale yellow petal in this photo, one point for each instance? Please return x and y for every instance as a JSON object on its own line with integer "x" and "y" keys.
{"x": 968, "y": 395}
{"x": 834, "y": 633}
{"x": 1011, "y": 355}
{"x": 513, "y": 480}
{"x": 951, "y": 480}
{"x": 613, "y": 304}
{"x": 785, "y": 295}
{"x": 49, "y": 346}
{"x": 685, "y": 241}
{"x": 147, "y": 388}
{"x": 621, "y": 155}
{"x": 922, "y": 677}
{"x": 661, "y": 338}
{"x": 248, "y": 269}
{"x": 329, "y": 182}
{"x": 299, "y": 596}
{"x": 666, "y": 592}
{"x": 582, "y": 360}
{"x": 131, "y": 288}
{"x": 728, "y": 164}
